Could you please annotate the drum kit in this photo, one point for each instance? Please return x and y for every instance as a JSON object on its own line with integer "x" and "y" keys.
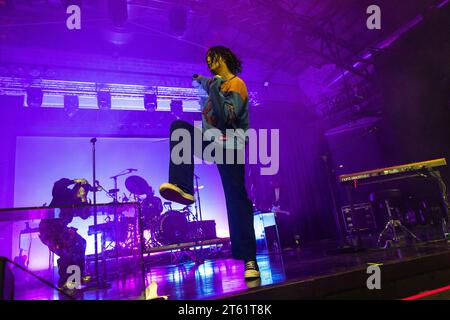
{"x": 160, "y": 228}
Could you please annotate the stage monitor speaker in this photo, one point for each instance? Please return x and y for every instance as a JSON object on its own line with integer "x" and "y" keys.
{"x": 362, "y": 218}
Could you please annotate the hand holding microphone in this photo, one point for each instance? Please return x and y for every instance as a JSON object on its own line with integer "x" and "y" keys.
{"x": 98, "y": 186}
{"x": 197, "y": 77}
{"x": 195, "y": 80}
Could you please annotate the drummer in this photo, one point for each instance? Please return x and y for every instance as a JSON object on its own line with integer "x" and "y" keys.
{"x": 151, "y": 206}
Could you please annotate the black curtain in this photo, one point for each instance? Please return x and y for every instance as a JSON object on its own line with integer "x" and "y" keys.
{"x": 414, "y": 74}
{"x": 302, "y": 176}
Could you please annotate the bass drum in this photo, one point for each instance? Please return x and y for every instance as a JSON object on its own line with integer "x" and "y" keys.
{"x": 173, "y": 228}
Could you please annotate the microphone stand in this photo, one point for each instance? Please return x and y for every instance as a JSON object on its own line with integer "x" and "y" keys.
{"x": 115, "y": 199}
{"x": 100, "y": 283}
{"x": 198, "y": 228}
{"x": 196, "y": 177}
{"x": 115, "y": 183}
{"x": 93, "y": 141}
{"x": 116, "y": 220}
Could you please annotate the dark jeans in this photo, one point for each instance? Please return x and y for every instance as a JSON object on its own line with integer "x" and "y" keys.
{"x": 239, "y": 207}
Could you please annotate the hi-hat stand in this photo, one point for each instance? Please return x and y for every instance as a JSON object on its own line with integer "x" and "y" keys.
{"x": 197, "y": 256}
{"x": 114, "y": 193}
{"x": 198, "y": 211}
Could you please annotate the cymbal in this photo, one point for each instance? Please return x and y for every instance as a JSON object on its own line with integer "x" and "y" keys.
{"x": 137, "y": 185}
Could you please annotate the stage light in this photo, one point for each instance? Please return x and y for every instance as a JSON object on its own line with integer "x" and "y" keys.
{"x": 71, "y": 104}
{"x": 176, "y": 107}
{"x": 34, "y": 97}
{"x": 150, "y": 101}
{"x": 104, "y": 100}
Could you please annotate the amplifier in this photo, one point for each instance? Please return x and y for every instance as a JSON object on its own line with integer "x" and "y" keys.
{"x": 206, "y": 228}
{"x": 362, "y": 218}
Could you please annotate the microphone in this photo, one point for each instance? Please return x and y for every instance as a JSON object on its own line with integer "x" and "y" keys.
{"x": 98, "y": 186}
{"x": 195, "y": 80}
{"x": 131, "y": 170}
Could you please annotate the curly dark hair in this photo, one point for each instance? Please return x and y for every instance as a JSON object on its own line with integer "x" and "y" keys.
{"x": 232, "y": 62}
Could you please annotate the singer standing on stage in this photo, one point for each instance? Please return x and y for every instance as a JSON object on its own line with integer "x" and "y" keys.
{"x": 225, "y": 108}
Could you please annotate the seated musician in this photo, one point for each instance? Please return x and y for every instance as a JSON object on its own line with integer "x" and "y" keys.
{"x": 62, "y": 240}
{"x": 151, "y": 208}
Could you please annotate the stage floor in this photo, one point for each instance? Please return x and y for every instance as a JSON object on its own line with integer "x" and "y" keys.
{"x": 222, "y": 277}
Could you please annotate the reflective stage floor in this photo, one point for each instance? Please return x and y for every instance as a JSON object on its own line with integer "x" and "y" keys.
{"x": 315, "y": 271}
